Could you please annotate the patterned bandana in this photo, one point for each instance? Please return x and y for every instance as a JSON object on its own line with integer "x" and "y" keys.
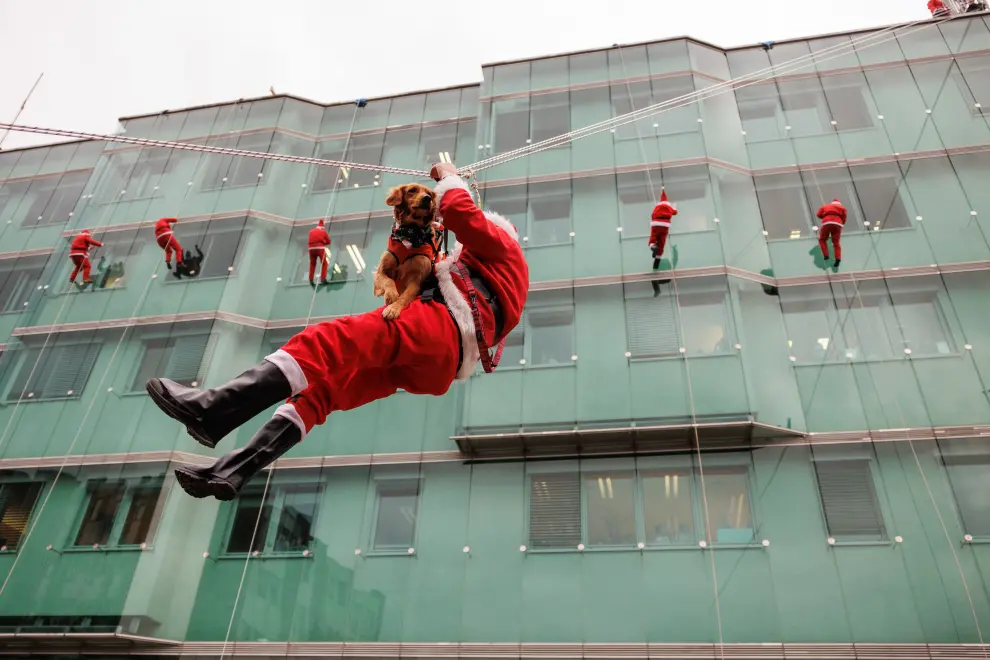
{"x": 413, "y": 236}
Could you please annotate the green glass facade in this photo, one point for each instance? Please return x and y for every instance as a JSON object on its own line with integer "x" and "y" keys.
{"x": 747, "y": 452}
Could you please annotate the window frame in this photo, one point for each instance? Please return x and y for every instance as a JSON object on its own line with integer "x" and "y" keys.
{"x": 637, "y": 470}
{"x": 374, "y": 494}
{"x": 337, "y": 231}
{"x": 275, "y": 495}
{"x": 241, "y": 226}
{"x": 21, "y": 354}
{"x": 130, "y": 485}
{"x": 43, "y": 486}
{"x": 524, "y": 322}
{"x": 730, "y": 330}
{"x": 211, "y": 179}
{"x": 110, "y": 240}
{"x": 21, "y": 267}
{"x": 881, "y": 509}
{"x": 204, "y": 362}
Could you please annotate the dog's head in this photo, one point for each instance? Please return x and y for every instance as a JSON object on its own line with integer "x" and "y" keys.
{"x": 412, "y": 204}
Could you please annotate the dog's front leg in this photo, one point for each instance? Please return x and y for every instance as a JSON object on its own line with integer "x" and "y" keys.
{"x": 409, "y": 294}
{"x": 384, "y": 285}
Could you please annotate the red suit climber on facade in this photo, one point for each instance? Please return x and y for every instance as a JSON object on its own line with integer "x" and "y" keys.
{"x": 660, "y": 224}
{"x": 937, "y": 9}
{"x": 833, "y": 216}
{"x": 318, "y": 242}
{"x": 353, "y": 360}
{"x": 167, "y": 241}
{"x": 79, "y": 255}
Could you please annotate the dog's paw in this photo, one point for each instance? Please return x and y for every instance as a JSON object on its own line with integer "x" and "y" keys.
{"x": 391, "y": 295}
{"x": 378, "y": 291}
{"x": 392, "y": 312}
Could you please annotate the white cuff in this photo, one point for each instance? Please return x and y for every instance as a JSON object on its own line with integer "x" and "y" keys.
{"x": 289, "y": 412}
{"x": 290, "y": 369}
{"x": 449, "y": 182}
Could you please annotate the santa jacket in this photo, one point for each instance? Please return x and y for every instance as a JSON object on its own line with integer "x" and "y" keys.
{"x": 318, "y": 239}
{"x": 488, "y": 245}
{"x": 164, "y": 227}
{"x": 81, "y": 243}
{"x": 935, "y": 5}
{"x": 832, "y": 213}
{"x": 662, "y": 213}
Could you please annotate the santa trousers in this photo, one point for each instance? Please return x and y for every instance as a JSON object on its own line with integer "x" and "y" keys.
{"x": 80, "y": 262}
{"x": 313, "y": 256}
{"x": 658, "y": 239}
{"x": 168, "y": 242}
{"x": 835, "y": 233}
{"x": 347, "y": 362}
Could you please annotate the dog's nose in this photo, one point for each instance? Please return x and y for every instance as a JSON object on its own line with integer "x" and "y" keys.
{"x": 426, "y": 200}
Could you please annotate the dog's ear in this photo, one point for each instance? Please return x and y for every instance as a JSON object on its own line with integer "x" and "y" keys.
{"x": 395, "y": 196}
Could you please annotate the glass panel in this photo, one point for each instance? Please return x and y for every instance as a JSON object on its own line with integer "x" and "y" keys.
{"x": 141, "y": 515}
{"x": 249, "y": 524}
{"x": 101, "y": 510}
{"x": 295, "y": 523}
{"x": 730, "y": 518}
{"x": 395, "y": 525}
{"x": 668, "y": 507}
{"x": 611, "y": 510}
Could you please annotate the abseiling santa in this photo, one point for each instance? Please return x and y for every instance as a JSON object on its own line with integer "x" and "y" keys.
{"x": 348, "y": 362}
{"x": 660, "y": 224}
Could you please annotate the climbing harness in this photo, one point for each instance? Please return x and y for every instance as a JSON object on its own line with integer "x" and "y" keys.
{"x": 407, "y": 241}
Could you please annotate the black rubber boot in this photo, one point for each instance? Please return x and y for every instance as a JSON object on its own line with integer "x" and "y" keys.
{"x": 209, "y": 415}
{"x": 837, "y": 262}
{"x": 225, "y": 478}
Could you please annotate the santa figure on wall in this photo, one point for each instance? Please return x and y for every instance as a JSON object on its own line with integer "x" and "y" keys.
{"x": 660, "y": 224}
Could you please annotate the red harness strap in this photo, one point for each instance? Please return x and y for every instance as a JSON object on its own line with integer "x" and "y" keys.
{"x": 488, "y": 361}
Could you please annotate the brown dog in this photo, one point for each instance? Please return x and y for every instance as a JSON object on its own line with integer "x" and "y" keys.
{"x": 412, "y": 248}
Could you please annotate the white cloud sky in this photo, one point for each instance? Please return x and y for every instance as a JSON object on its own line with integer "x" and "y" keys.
{"x": 105, "y": 59}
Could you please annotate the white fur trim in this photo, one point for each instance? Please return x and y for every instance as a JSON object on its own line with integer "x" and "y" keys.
{"x": 289, "y": 412}
{"x": 449, "y": 182}
{"x": 502, "y": 223}
{"x": 461, "y": 311}
{"x": 290, "y": 369}
{"x": 831, "y": 222}
{"x": 659, "y": 223}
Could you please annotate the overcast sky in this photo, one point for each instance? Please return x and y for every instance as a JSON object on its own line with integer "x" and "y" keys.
{"x": 105, "y": 59}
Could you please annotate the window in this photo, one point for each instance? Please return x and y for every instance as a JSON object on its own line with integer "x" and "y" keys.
{"x": 968, "y": 477}
{"x": 12, "y": 196}
{"x": 662, "y": 325}
{"x": 58, "y": 372}
{"x": 219, "y": 241}
{"x": 365, "y": 149}
{"x": 849, "y": 500}
{"x": 545, "y": 334}
{"x": 18, "y": 277}
{"x": 761, "y": 113}
{"x": 541, "y": 211}
{"x": 17, "y": 501}
{"x": 438, "y": 143}
{"x": 864, "y": 324}
{"x": 228, "y": 171}
{"x": 638, "y": 95}
{"x": 54, "y": 198}
{"x": 281, "y": 520}
{"x": 628, "y": 98}
{"x": 510, "y": 124}
{"x": 687, "y": 187}
{"x": 397, "y": 505}
{"x": 550, "y": 116}
{"x": 139, "y": 174}
{"x": 119, "y": 251}
{"x": 973, "y": 80}
{"x": 183, "y": 359}
{"x": 348, "y": 251}
{"x": 845, "y": 95}
{"x": 120, "y": 513}
{"x": 620, "y": 508}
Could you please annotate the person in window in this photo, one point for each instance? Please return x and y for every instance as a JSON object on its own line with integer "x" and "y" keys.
{"x": 79, "y": 255}
{"x": 833, "y": 217}
{"x": 190, "y": 265}
{"x": 937, "y": 9}
{"x": 660, "y": 226}
{"x": 168, "y": 242}
{"x": 350, "y": 361}
{"x": 976, "y": 6}
{"x": 318, "y": 243}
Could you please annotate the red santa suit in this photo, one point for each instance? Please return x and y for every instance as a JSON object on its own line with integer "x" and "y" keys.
{"x": 354, "y": 360}
{"x": 833, "y": 216}
{"x": 937, "y": 8}
{"x": 79, "y": 255}
{"x": 318, "y": 242}
{"x": 167, "y": 241}
{"x": 660, "y": 224}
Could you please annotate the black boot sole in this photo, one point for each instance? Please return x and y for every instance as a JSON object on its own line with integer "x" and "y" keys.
{"x": 199, "y": 487}
{"x": 165, "y": 403}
